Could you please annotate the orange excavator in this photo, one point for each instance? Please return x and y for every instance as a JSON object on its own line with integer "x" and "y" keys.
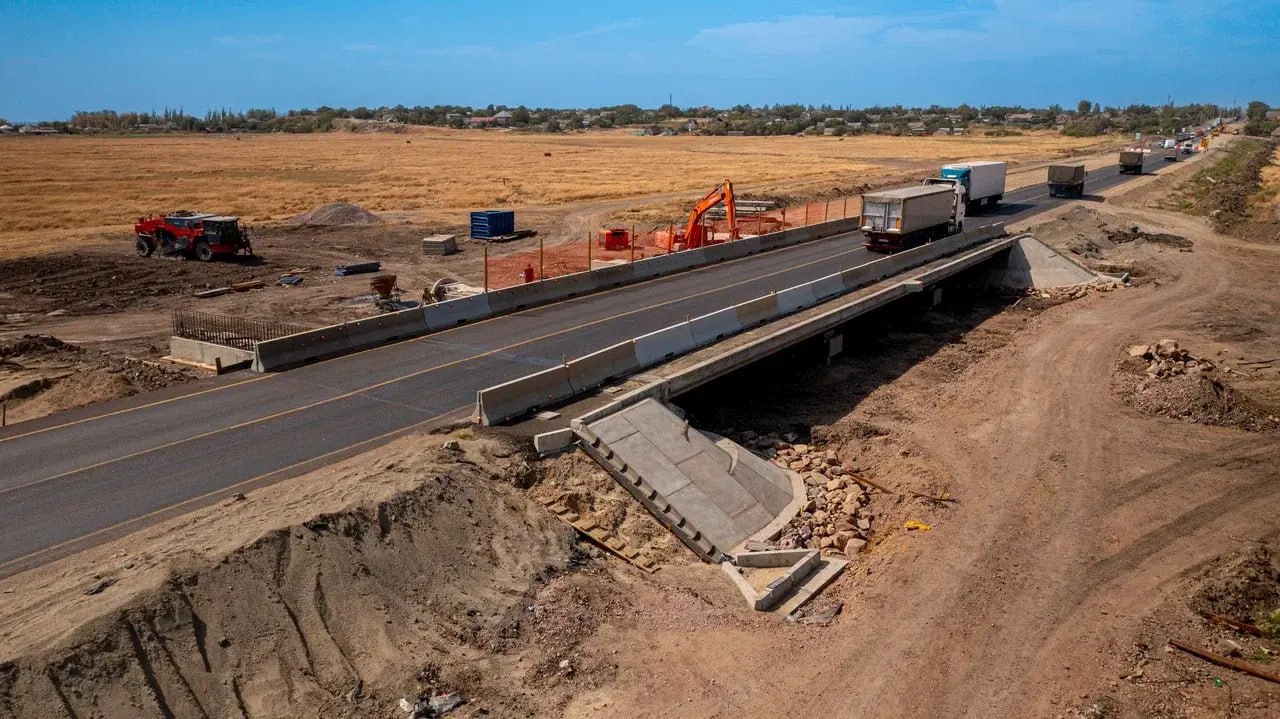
{"x": 694, "y": 234}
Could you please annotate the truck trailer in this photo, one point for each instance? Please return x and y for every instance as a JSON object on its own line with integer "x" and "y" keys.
{"x": 1066, "y": 180}
{"x": 983, "y": 181}
{"x": 1131, "y": 162}
{"x": 895, "y": 220}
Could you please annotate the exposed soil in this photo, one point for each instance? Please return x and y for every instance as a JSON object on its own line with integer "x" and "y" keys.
{"x": 336, "y": 214}
{"x": 41, "y": 375}
{"x": 1200, "y": 394}
{"x": 1048, "y": 557}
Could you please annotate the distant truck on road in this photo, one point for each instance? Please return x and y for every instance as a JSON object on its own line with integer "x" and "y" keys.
{"x": 983, "y": 182}
{"x": 894, "y": 220}
{"x": 1066, "y": 180}
{"x": 1131, "y": 162}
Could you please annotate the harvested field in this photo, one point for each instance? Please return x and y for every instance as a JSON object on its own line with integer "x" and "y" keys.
{"x": 59, "y": 189}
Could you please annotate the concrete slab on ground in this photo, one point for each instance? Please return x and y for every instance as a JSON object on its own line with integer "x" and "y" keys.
{"x": 1034, "y": 265}
{"x": 720, "y": 488}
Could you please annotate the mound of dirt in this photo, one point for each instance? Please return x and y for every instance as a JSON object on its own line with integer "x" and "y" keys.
{"x": 41, "y": 375}
{"x": 336, "y": 214}
{"x": 1245, "y": 588}
{"x": 450, "y": 586}
{"x": 1165, "y": 380}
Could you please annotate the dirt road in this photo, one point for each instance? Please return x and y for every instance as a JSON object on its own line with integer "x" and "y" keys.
{"x": 1077, "y": 518}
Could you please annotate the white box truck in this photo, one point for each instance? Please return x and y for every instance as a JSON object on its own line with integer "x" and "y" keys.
{"x": 983, "y": 181}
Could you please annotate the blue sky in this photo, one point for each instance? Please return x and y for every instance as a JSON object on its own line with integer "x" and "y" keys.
{"x": 58, "y": 56}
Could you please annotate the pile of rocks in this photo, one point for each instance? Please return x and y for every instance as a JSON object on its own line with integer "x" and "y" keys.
{"x": 835, "y": 516}
{"x": 1166, "y": 359}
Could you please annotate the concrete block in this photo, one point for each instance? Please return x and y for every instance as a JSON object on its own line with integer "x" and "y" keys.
{"x": 300, "y": 348}
{"x": 574, "y": 285}
{"x": 452, "y": 313}
{"x": 209, "y": 354}
{"x": 775, "y": 558}
{"x": 715, "y": 326}
{"x": 552, "y": 442}
{"x": 517, "y": 397}
{"x": 596, "y": 368}
{"x": 373, "y": 331}
{"x": 664, "y": 344}
{"x": 796, "y": 298}
{"x": 607, "y": 277}
{"x": 828, "y": 287}
{"x": 754, "y": 312}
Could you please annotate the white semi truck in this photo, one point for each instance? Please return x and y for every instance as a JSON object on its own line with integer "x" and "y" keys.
{"x": 983, "y": 181}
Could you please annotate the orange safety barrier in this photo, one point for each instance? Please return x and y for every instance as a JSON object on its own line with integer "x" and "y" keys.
{"x": 580, "y": 255}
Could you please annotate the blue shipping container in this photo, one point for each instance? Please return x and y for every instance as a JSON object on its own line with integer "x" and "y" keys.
{"x": 486, "y": 224}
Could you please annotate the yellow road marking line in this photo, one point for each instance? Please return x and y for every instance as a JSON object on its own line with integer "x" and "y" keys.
{"x": 223, "y": 490}
{"x": 401, "y": 378}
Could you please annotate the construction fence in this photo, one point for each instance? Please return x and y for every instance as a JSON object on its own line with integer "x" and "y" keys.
{"x": 239, "y": 332}
{"x": 648, "y": 241}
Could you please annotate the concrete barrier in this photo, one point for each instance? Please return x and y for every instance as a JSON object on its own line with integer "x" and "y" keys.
{"x": 660, "y": 265}
{"x": 829, "y": 286}
{"x": 796, "y": 298}
{"x": 597, "y": 368}
{"x": 208, "y": 354}
{"x": 609, "y": 277}
{"x": 715, "y": 326}
{"x": 452, "y": 313}
{"x": 323, "y": 343}
{"x": 753, "y": 312}
{"x": 566, "y": 286}
{"x": 725, "y": 251}
{"x": 300, "y": 348}
{"x": 519, "y": 396}
{"x": 664, "y": 344}
{"x": 380, "y": 329}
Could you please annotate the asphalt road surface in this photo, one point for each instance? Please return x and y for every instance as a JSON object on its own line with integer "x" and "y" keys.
{"x": 76, "y": 479}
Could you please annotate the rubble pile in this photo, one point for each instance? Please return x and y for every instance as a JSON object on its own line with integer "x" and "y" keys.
{"x": 1166, "y": 359}
{"x": 835, "y": 516}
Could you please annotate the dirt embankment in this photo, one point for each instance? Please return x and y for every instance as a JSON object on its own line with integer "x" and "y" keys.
{"x": 456, "y": 583}
{"x": 41, "y": 375}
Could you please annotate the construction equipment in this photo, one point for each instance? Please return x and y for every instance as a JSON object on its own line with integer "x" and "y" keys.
{"x": 694, "y": 235}
{"x": 1066, "y": 180}
{"x": 1131, "y": 161}
{"x": 191, "y": 234}
{"x": 617, "y": 238}
{"x": 900, "y": 219}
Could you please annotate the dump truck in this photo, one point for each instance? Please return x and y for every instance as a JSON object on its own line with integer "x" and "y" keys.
{"x": 983, "y": 181}
{"x": 894, "y": 220}
{"x": 191, "y": 234}
{"x": 1066, "y": 180}
{"x": 1131, "y": 162}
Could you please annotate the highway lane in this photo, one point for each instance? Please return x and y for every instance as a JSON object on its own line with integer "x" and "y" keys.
{"x": 78, "y": 482}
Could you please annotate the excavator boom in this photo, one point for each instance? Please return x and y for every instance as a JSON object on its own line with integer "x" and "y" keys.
{"x": 693, "y": 229}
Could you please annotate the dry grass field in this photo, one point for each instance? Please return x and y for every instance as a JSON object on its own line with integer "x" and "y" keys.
{"x": 55, "y": 191}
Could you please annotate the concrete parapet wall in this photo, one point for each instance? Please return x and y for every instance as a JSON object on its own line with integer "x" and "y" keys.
{"x": 209, "y": 354}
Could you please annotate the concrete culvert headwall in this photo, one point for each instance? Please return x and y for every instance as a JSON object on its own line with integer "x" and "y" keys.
{"x": 331, "y": 618}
